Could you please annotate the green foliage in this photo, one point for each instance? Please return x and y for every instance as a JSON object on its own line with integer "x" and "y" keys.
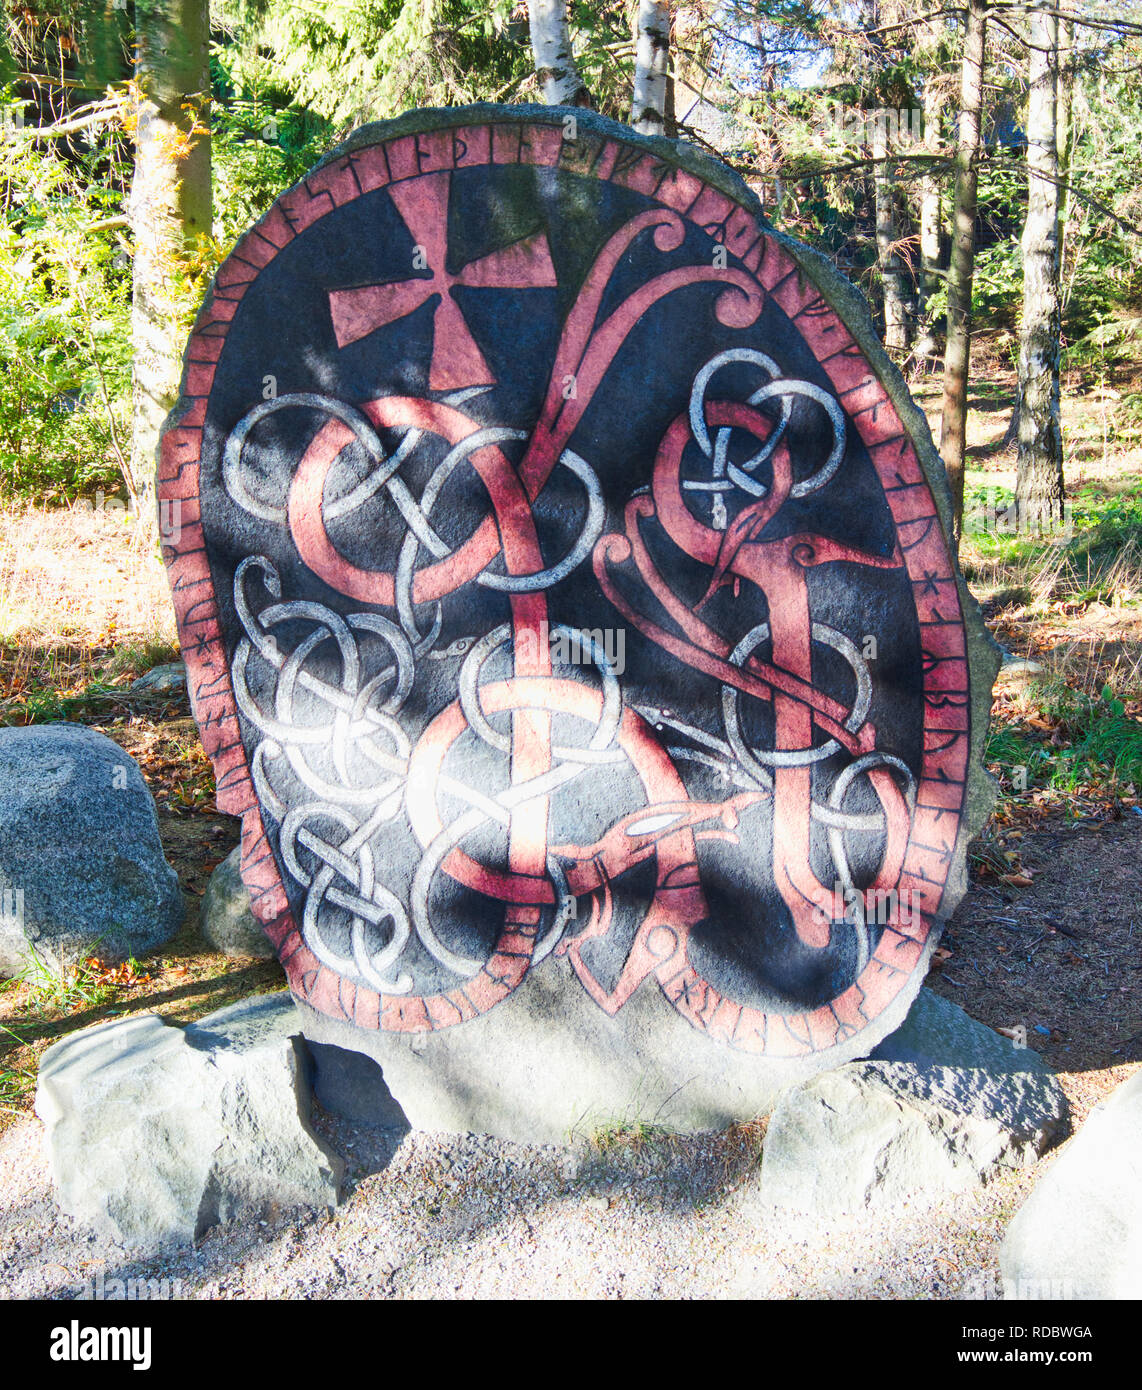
{"x": 290, "y": 80}
{"x": 997, "y": 288}
{"x": 64, "y": 316}
{"x": 86, "y": 43}
{"x": 1103, "y": 282}
{"x": 260, "y": 147}
{"x": 603, "y": 38}
{"x": 352, "y": 63}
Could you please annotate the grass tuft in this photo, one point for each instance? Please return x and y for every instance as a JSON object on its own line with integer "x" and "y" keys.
{"x": 634, "y": 1138}
{"x": 78, "y": 986}
{"x": 1074, "y": 742}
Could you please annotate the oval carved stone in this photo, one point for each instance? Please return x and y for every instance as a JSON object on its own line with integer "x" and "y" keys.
{"x": 562, "y": 579}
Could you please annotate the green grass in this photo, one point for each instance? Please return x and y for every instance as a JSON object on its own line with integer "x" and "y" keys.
{"x": 46, "y": 706}
{"x": 623, "y": 1137}
{"x": 51, "y": 694}
{"x": 1097, "y": 557}
{"x": 137, "y": 658}
{"x": 611, "y": 1134}
{"x": 1099, "y": 747}
{"x": 15, "y": 1083}
{"x": 76, "y": 988}
{"x": 15, "y": 1087}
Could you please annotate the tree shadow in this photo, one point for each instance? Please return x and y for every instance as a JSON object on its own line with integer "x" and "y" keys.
{"x": 35, "y": 1031}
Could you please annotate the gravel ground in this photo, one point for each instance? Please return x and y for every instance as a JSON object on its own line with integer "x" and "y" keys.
{"x": 465, "y": 1216}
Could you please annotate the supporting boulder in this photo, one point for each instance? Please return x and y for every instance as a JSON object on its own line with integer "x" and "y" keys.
{"x": 1079, "y": 1234}
{"x": 943, "y": 1106}
{"x": 227, "y": 922}
{"x": 156, "y": 1133}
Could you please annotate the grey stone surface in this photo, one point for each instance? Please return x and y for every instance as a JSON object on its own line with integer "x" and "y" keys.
{"x": 161, "y": 680}
{"x": 937, "y": 1033}
{"x": 1014, "y": 667}
{"x": 155, "y": 1133}
{"x": 80, "y": 856}
{"x": 1079, "y": 1234}
{"x": 227, "y": 922}
{"x": 942, "y": 1105}
{"x": 511, "y": 1072}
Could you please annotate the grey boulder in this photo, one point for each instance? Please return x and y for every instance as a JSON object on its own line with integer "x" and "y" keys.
{"x": 161, "y": 680}
{"x": 1014, "y": 668}
{"x": 1079, "y": 1234}
{"x": 82, "y": 870}
{"x": 155, "y": 1133}
{"x": 227, "y": 922}
{"x": 941, "y": 1106}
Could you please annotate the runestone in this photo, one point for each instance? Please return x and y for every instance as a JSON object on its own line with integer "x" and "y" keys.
{"x": 562, "y": 576}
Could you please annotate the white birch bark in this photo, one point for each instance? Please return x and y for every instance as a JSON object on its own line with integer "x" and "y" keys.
{"x": 652, "y": 64}
{"x": 559, "y": 78}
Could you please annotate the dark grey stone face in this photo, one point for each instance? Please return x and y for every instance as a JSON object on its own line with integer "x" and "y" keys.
{"x": 563, "y": 588}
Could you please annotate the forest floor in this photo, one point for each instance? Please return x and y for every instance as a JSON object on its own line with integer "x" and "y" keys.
{"x": 1047, "y": 939}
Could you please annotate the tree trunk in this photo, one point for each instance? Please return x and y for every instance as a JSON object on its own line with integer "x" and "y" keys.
{"x": 170, "y": 206}
{"x": 891, "y": 271}
{"x": 884, "y": 128}
{"x": 671, "y": 112}
{"x": 957, "y": 355}
{"x": 651, "y": 67}
{"x": 1066, "y": 135}
{"x": 930, "y": 199}
{"x": 1039, "y": 471}
{"x": 554, "y": 60}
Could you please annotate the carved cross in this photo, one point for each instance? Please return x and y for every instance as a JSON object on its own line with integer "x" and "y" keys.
{"x": 456, "y": 358}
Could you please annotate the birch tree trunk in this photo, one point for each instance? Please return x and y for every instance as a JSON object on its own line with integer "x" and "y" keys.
{"x": 671, "y": 111}
{"x": 1039, "y": 470}
{"x": 170, "y": 205}
{"x": 652, "y": 66}
{"x": 554, "y": 59}
{"x": 957, "y": 355}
